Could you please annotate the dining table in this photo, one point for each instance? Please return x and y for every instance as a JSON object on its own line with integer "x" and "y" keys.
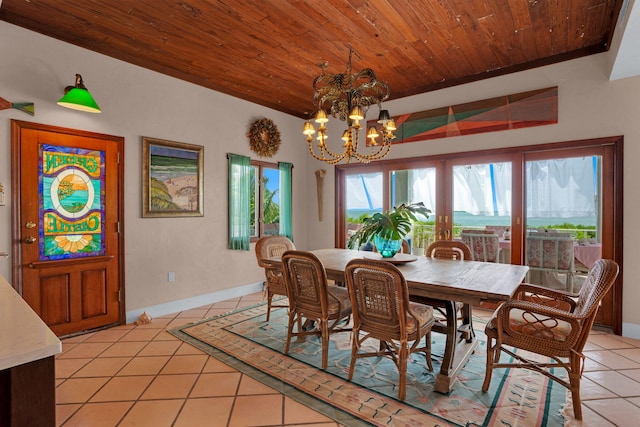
{"x": 446, "y": 282}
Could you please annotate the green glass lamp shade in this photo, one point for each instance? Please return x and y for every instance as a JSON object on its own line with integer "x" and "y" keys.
{"x": 79, "y": 99}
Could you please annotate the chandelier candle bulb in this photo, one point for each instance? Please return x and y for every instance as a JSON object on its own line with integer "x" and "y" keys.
{"x": 391, "y": 126}
{"x": 356, "y": 114}
{"x": 308, "y": 128}
{"x": 321, "y": 116}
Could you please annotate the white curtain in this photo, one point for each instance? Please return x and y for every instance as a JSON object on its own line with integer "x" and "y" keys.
{"x": 364, "y": 191}
{"x": 561, "y": 188}
{"x": 483, "y": 189}
{"x": 423, "y": 187}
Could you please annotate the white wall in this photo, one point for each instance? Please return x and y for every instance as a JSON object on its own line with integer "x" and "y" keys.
{"x": 590, "y": 106}
{"x": 138, "y": 102}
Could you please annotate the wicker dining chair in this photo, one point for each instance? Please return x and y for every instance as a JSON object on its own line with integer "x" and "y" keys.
{"x": 449, "y": 249}
{"x": 382, "y": 310}
{"x": 269, "y": 247}
{"x": 454, "y": 250}
{"x": 312, "y": 298}
{"x": 549, "y": 323}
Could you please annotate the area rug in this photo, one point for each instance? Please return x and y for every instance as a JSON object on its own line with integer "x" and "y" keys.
{"x": 244, "y": 340}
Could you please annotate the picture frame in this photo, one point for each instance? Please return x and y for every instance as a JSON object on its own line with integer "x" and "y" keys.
{"x": 172, "y": 178}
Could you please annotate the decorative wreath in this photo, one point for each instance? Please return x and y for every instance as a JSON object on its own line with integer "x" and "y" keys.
{"x": 264, "y": 137}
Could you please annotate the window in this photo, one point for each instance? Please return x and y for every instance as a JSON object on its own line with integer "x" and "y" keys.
{"x": 265, "y": 200}
{"x": 259, "y": 200}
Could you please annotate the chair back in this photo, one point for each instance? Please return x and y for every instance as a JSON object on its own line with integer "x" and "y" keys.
{"x": 449, "y": 249}
{"x": 601, "y": 278}
{"x": 550, "y": 252}
{"x": 476, "y": 231}
{"x": 379, "y": 298}
{"x": 602, "y": 275}
{"x": 484, "y": 245}
{"x": 306, "y": 282}
{"x": 549, "y": 232}
{"x": 497, "y": 229}
{"x": 272, "y": 246}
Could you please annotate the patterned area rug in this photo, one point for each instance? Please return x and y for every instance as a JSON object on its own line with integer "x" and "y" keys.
{"x": 244, "y": 340}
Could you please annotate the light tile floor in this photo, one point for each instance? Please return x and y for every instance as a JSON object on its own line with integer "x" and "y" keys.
{"x": 143, "y": 376}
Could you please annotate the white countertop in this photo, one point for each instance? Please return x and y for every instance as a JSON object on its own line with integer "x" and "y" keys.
{"x": 24, "y": 337}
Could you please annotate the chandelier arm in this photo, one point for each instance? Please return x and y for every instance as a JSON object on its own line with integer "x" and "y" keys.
{"x": 317, "y": 157}
{"x": 334, "y": 158}
{"x": 331, "y": 153}
{"x": 366, "y": 158}
{"x": 382, "y": 150}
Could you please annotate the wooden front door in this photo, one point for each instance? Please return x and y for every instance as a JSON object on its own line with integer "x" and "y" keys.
{"x": 67, "y": 225}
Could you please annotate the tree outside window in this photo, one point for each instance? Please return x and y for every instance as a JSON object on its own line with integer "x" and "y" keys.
{"x": 265, "y": 183}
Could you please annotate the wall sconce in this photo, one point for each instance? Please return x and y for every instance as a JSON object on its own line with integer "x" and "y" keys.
{"x": 78, "y": 98}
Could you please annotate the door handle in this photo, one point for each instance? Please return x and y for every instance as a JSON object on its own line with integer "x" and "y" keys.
{"x": 30, "y": 240}
{"x": 443, "y": 234}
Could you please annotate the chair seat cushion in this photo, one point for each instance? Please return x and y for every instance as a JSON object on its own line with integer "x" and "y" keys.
{"x": 536, "y": 325}
{"x": 424, "y": 314}
{"x": 342, "y": 294}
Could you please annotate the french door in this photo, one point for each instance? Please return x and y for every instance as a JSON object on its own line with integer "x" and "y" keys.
{"x": 519, "y": 190}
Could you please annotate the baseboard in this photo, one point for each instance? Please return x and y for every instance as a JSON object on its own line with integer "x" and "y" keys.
{"x": 631, "y": 330}
{"x": 193, "y": 302}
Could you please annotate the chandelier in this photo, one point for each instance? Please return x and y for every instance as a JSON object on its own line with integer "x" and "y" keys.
{"x": 347, "y": 97}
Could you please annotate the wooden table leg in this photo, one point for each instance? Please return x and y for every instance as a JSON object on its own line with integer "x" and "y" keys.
{"x": 457, "y": 350}
{"x": 467, "y": 323}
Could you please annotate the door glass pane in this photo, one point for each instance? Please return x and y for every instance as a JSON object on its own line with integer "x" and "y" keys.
{"x": 482, "y": 197}
{"x": 364, "y": 198}
{"x": 562, "y": 200}
{"x": 482, "y": 201}
{"x": 71, "y": 202}
{"x": 414, "y": 186}
{"x": 271, "y": 201}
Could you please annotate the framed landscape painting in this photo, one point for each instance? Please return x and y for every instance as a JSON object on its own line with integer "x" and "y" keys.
{"x": 172, "y": 176}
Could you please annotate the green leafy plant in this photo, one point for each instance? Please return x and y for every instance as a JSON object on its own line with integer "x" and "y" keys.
{"x": 394, "y": 225}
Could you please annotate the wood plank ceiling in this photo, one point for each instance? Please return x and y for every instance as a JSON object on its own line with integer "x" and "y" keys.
{"x": 268, "y": 51}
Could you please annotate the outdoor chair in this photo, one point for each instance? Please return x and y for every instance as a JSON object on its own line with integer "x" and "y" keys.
{"x": 382, "y": 310}
{"x": 551, "y": 252}
{"x": 551, "y": 324}
{"x": 484, "y": 246}
{"x": 497, "y": 229}
{"x": 269, "y": 247}
{"x": 312, "y": 298}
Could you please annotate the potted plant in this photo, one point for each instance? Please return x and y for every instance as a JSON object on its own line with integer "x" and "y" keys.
{"x": 387, "y": 229}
